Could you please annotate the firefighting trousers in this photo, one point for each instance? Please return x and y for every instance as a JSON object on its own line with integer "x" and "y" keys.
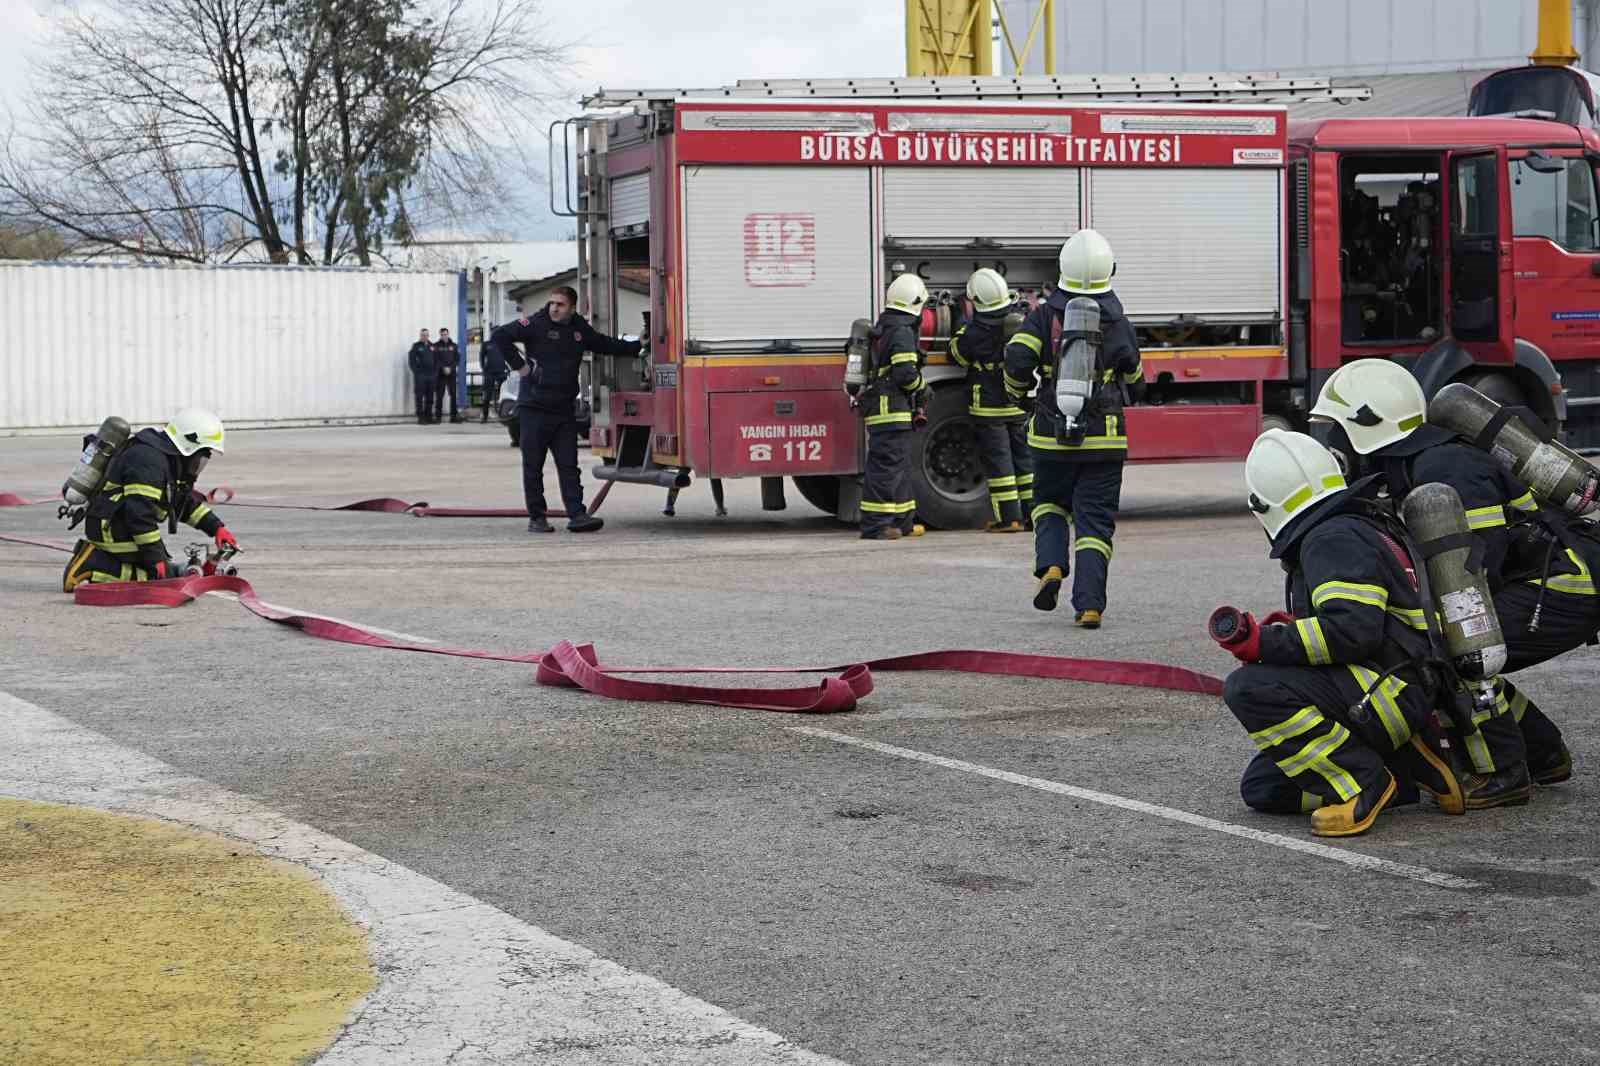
{"x": 445, "y": 386}
{"x": 555, "y": 433}
{"x": 491, "y": 392}
{"x": 886, "y": 498}
{"x": 1313, "y": 749}
{"x": 1085, "y": 497}
{"x": 424, "y": 393}
{"x": 1566, "y": 621}
{"x": 1008, "y": 464}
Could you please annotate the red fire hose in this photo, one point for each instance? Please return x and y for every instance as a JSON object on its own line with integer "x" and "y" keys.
{"x": 224, "y": 494}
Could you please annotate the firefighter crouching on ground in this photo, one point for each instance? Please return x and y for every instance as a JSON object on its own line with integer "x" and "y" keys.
{"x": 998, "y": 423}
{"x": 149, "y": 481}
{"x": 888, "y": 509}
{"x": 555, "y": 339}
{"x": 1381, "y": 413}
{"x": 1077, "y": 464}
{"x": 1306, "y": 668}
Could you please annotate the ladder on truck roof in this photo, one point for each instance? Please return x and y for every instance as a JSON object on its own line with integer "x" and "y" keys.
{"x": 1260, "y": 87}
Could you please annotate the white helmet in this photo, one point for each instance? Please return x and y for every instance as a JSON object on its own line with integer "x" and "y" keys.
{"x": 1286, "y": 473}
{"x": 192, "y": 429}
{"x": 1087, "y": 264}
{"x": 1375, "y": 401}
{"x": 988, "y": 291}
{"x": 907, "y": 293}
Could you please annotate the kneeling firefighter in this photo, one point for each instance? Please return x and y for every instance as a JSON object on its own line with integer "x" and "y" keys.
{"x": 1380, "y": 412}
{"x": 893, "y": 378}
{"x": 1083, "y": 349}
{"x": 1337, "y": 690}
{"x": 998, "y": 422}
{"x": 147, "y": 481}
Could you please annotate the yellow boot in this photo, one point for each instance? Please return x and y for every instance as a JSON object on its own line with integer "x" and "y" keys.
{"x": 1353, "y": 816}
{"x": 1089, "y": 619}
{"x": 77, "y": 571}
{"x": 1049, "y": 589}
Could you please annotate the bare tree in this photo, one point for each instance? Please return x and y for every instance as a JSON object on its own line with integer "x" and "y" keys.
{"x": 307, "y": 130}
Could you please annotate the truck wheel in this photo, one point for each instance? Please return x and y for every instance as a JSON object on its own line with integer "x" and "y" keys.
{"x": 820, "y": 491}
{"x": 946, "y": 474}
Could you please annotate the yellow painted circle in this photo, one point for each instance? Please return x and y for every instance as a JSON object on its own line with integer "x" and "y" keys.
{"x": 126, "y": 940}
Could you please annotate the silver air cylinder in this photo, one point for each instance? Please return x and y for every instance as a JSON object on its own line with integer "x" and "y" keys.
{"x": 1466, "y": 609}
{"x": 1556, "y": 474}
{"x": 1080, "y": 348}
{"x": 90, "y": 473}
{"x": 856, "y": 353}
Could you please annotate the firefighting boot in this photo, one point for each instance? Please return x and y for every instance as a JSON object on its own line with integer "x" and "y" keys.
{"x": 917, "y": 529}
{"x": 891, "y": 533}
{"x": 1049, "y": 589}
{"x": 1511, "y": 787}
{"x": 1353, "y": 816}
{"x": 77, "y": 572}
{"x": 1089, "y": 619}
{"x": 1550, "y": 767}
{"x": 540, "y": 524}
{"x": 1014, "y": 526}
{"x": 1433, "y": 775}
{"x": 585, "y": 523}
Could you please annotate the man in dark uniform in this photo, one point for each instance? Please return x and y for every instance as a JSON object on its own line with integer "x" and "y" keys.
{"x": 424, "y": 378}
{"x": 1077, "y": 475}
{"x": 888, "y": 508}
{"x": 998, "y": 423}
{"x": 494, "y": 375}
{"x": 1316, "y": 694}
{"x": 1380, "y": 413}
{"x": 554, "y": 340}
{"x": 149, "y": 482}
{"x": 446, "y": 357}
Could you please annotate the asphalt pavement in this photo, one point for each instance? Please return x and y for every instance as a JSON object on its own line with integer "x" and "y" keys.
{"x": 866, "y": 905}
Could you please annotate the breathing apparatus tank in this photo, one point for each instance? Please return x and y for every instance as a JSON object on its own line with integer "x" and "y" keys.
{"x": 1556, "y": 474}
{"x": 1010, "y": 324}
{"x": 1075, "y": 361}
{"x": 858, "y": 355}
{"x": 1456, "y": 581}
{"x": 90, "y": 473}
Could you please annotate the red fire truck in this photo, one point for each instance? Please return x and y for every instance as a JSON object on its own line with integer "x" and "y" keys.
{"x": 1255, "y": 255}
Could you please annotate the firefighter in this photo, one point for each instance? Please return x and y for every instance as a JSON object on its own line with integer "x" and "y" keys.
{"x": 999, "y": 424}
{"x": 1312, "y": 693}
{"x": 1077, "y": 471}
{"x": 547, "y": 400}
{"x": 423, "y": 375}
{"x": 149, "y": 481}
{"x": 1380, "y": 412}
{"x": 446, "y": 357}
{"x": 888, "y": 508}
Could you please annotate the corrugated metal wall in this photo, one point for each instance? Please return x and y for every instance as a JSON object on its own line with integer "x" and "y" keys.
{"x": 1326, "y": 36}
{"x": 251, "y": 343}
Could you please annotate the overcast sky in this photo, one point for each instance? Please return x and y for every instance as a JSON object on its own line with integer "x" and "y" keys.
{"x": 633, "y": 44}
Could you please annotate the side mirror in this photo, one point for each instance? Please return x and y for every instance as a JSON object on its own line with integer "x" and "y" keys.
{"x": 1543, "y": 162}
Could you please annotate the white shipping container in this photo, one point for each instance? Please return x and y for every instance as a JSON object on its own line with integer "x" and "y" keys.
{"x": 252, "y": 343}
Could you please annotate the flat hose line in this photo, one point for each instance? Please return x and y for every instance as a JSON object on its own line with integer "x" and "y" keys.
{"x": 224, "y": 494}
{"x": 577, "y": 666}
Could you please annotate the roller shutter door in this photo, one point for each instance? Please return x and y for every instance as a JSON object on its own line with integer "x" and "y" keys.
{"x": 1033, "y": 204}
{"x": 630, "y": 202}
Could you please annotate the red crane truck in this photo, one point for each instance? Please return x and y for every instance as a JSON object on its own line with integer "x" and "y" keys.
{"x": 1255, "y": 255}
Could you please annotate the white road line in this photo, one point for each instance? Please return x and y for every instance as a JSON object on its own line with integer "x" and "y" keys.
{"x": 1200, "y": 821}
{"x": 458, "y": 980}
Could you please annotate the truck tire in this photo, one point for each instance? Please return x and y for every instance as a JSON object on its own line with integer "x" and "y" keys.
{"x": 946, "y": 474}
{"x": 820, "y": 491}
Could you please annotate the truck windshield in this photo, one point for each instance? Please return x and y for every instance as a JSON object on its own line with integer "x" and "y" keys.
{"x": 1559, "y": 206}
{"x": 1389, "y": 248}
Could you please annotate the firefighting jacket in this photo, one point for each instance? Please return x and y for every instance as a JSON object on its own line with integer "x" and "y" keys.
{"x": 125, "y": 517}
{"x": 1354, "y": 595}
{"x": 979, "y": 346}
{"x": 446, "y": 356}
{"x": 1032, "y": 350}
{"x": 420, "y": 360}
{"x": 888, "y": 399}
{"x": 556, "y": 352}
{"x": 1493, "y": 499}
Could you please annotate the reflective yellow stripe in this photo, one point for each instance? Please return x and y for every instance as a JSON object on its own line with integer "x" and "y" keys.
{"x": 1016, "y": 388}
{"x": 1315, "y": 643}
{"x": 1024, "y": 479}
{"x": 1385, "y": 700}
{"x": 1519, "y": 706}
{"x": 1003, "y": 497}
{"x": 1134, "y": 376}
{"x": 1411, "y": 616}
{"x": 1525, "y": 502}
{"x": 890, "y": 418}
{"x": 1310, "y": 801}
{"x": 1579, "y": 584}
{"x": 152, "y": 537}
{"x": 199, "y": 513}
{"x": 902, "y": 357}
{"x": 1315, "y": 756}
{"x": 1028, "y": 341}
{"x": 1090, "y": 444}
{"x": 992, "y": 412}
{"x": 148, "y": 491}
{"x": 1093, "y": 544}
{"x": 1371, "y": 595}
{"x": 1486, "y": 517}
{"x": 1302, "y": 720}
{"x": 1002, "y": 482}
{"x": 1044, "y": 510}
{"x": 880, "y": 508}
{"x": 117, "y": 547}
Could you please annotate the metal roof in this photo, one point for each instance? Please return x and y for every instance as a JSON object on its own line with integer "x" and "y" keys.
{"x": 1438, "y": 93}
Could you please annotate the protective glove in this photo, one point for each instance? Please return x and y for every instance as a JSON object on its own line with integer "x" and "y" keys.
{"x": 1237, "y": 632}
{"x": 1278, "y": 618}
{"x": 226, "y": 539}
